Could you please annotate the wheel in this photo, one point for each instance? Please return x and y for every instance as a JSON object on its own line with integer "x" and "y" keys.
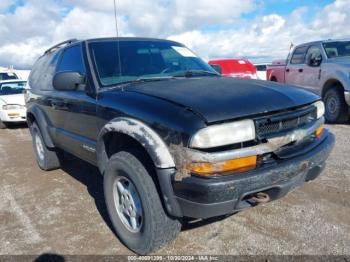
{"x": 134, "y": 205}
{"x": 46, "y": 158}
{"x": 336, "y": 107}
{"x": 2, "y": 125}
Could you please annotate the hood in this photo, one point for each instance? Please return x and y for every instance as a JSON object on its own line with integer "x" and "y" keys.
{"x": 220, "y": 98}
{"x": 17, "y": 99}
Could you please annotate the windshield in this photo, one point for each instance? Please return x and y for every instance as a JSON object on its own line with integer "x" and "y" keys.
{"x": 337, "y": 49}
{"x": 12, "y": 88}
{"x": 8, "y": 76}
{"x": 144, "y": 60}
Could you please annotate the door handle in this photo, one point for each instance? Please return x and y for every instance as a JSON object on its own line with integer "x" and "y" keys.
{"x": 300, "y": 70}
{"x": 287, "y": 70}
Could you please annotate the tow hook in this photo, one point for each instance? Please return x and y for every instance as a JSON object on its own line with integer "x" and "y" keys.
{"x": 259, "y": 198}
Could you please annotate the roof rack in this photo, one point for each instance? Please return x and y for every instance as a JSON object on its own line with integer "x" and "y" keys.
{"x": 67, "y": 42}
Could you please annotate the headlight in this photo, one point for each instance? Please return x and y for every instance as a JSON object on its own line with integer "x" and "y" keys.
{"x": 11, "y": 107}
{"x": 320, "y": 108}
{"x": 224, "y": 134}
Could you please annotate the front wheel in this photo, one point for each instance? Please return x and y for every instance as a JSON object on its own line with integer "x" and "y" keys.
{"x": 134, "y": 205}
{"x": 336, "y": 107}
{"x": 46, "y": 158}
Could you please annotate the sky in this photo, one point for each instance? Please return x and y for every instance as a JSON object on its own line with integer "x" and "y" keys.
{"x": 260, "y": 30}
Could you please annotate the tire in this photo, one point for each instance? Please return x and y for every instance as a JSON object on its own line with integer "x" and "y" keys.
{"x": 2, "y": 125}
{"x": 46, "y": 158}
{"x": 152, "y": 226}
{"x": 336, "y": 107}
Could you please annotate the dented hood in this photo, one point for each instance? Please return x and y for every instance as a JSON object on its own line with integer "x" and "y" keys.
{"x": 221, "y": 99}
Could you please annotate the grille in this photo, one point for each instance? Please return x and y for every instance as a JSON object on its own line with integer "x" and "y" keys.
{"x": 273, "y": 125}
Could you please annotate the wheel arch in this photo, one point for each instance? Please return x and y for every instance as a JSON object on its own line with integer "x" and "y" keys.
{"x": 273, "y": 78}
{"x": 331, "y": 83}
{"x": 36, "y": 115}
{"x": 120, "y": 131}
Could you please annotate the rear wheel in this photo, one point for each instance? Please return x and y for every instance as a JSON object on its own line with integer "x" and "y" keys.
{"x": 335, "y": 105}
{"x": 134, "y": 205}
{"x": 46, "y": 158}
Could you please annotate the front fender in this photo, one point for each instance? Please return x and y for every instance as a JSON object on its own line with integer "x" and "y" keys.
{"x": 142, "y": 133}
{"x": 42, "y": 123}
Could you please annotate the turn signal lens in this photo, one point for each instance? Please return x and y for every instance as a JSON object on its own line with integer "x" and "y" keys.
{"x": 234, "y": 165}
{"x": 319, "y": 131}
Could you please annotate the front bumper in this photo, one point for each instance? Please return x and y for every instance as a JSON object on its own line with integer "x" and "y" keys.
{"x": 208, "y": 197}
{"x": 18, "y": 115}
{"x": 347, "y": 97}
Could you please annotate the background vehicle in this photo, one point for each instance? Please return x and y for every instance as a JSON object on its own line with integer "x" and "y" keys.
{"x": 171, "y": 137}
{"x": 261, "y": 69}
{"x": 6, "y": 74}
{"x": 322, "y": 67}
{"x": 12, "y": 104}
{"x": 240, "y": 68}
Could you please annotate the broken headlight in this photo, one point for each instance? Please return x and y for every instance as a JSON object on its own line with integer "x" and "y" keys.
{"x": 224, "y": 134}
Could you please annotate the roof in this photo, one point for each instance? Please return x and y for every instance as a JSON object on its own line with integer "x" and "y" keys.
{"x": 74, "y": 41}
{"x": 324, "y": 41}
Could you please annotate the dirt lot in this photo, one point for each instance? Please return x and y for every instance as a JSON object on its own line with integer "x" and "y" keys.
{"x": 63, "y": 211}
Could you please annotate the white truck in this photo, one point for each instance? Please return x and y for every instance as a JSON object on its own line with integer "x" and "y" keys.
{"x": 322, "y": 67}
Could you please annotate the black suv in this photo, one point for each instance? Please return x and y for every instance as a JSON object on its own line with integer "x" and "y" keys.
{"x": 172, "y": 138}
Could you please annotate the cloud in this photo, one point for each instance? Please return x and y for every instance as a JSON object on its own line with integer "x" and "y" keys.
{"x": 211, "y": 28}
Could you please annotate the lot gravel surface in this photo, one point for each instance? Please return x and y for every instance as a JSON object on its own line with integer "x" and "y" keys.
{"x": 63, "y": 211}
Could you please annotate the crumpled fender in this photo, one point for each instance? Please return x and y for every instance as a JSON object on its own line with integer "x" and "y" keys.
{"x": 142, "y": 133}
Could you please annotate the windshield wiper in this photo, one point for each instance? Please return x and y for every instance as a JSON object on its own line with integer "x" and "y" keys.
{"x": 191, "y": 73}
{"x": 141, "y": 80}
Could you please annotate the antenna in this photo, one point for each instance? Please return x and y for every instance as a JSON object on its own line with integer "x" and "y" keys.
{"x": 117, "y": 33}
{"x": 116, "y": 18}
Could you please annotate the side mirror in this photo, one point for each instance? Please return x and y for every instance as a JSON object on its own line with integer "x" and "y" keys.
{"x": 314, "y": 61}
{"x": 68, "y": 81}
{"x": 217, "y": 68}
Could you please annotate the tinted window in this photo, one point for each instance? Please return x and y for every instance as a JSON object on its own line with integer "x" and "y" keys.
{"x": 12, "y": 88}
{"x": 260, "y": 67}
{"x": 43, "y": 70}
{"x": 336, "y": 49}
{"x": 8, "y": 76}
{"x": 72, "y": 60}
{"x": 142, "y": 59}
{"x": 313, "y": 55}
{"x": 299, "y": 55}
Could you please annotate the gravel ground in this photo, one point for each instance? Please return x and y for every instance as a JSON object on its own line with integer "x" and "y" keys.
{"x": 63, "y": 212}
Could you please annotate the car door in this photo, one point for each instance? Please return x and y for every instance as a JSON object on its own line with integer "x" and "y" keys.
{"x": 294, "y": 71}
{"x": 312, "y": 71}
{"x": 77, "y": 132}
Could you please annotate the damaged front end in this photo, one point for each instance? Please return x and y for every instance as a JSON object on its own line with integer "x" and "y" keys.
{"x": 289, "y": 149}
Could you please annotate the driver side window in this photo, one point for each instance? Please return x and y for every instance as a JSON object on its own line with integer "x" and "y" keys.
{"x": 72, "y": 60}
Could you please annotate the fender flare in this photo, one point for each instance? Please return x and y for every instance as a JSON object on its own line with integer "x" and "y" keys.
{"x": 145, "y": 135}
{"x": 42, "y": 123}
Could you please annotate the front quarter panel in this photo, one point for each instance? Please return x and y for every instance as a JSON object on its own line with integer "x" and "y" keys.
{"x": 160, "y": 126}
{"x": 335, "y": 71}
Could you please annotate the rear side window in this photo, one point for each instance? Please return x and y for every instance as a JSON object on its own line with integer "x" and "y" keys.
{"x": 72, "y": 60}
{"x": 299, "y": 55}
{"x": 41, "y": 75}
